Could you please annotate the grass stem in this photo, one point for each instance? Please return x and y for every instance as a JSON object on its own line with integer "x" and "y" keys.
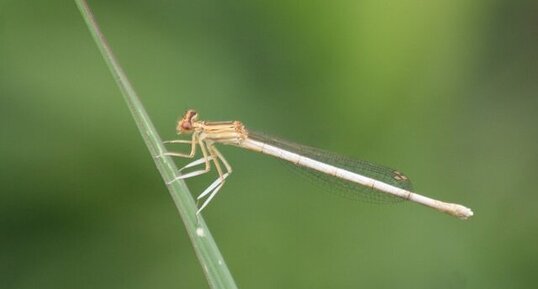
{"x": 209, "y": 256}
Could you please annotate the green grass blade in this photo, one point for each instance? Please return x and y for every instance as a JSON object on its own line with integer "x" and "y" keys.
{"x": 213, "y": 265}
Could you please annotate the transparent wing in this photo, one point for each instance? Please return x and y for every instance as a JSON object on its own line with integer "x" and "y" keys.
{"x": 339, "y": 186}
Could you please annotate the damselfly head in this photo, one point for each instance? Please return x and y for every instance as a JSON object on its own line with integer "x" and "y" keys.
{"x": 186, "y": 124}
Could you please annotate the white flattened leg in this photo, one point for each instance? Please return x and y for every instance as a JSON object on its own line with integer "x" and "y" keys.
{"x": 190, "y": 175}
{"x": 217, "y": 182}
{"x": 213, "y": 189}
{"x": 196, "y": 162}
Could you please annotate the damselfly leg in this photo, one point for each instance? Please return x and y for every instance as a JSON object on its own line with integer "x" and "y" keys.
{"x": 210, "y": 154}
{"x": 213, "y": 189}
{"x": 204, "y": 160}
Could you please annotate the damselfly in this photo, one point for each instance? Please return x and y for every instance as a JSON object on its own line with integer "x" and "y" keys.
{"x": 359, "y": 177}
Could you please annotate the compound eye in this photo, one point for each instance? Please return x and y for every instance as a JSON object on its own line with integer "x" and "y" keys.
{"x": 186, "y": 126}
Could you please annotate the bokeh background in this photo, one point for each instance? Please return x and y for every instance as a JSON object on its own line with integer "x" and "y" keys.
{"x": 446, "y": 91}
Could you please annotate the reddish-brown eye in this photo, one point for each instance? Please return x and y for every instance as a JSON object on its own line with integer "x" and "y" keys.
{"x": 186, "y": 125}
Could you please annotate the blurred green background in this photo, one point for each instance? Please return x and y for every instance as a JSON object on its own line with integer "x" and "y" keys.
{"x": 446, "y": 91}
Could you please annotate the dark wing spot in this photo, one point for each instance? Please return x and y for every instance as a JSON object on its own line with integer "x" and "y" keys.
{"x": 399, "y": 176}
